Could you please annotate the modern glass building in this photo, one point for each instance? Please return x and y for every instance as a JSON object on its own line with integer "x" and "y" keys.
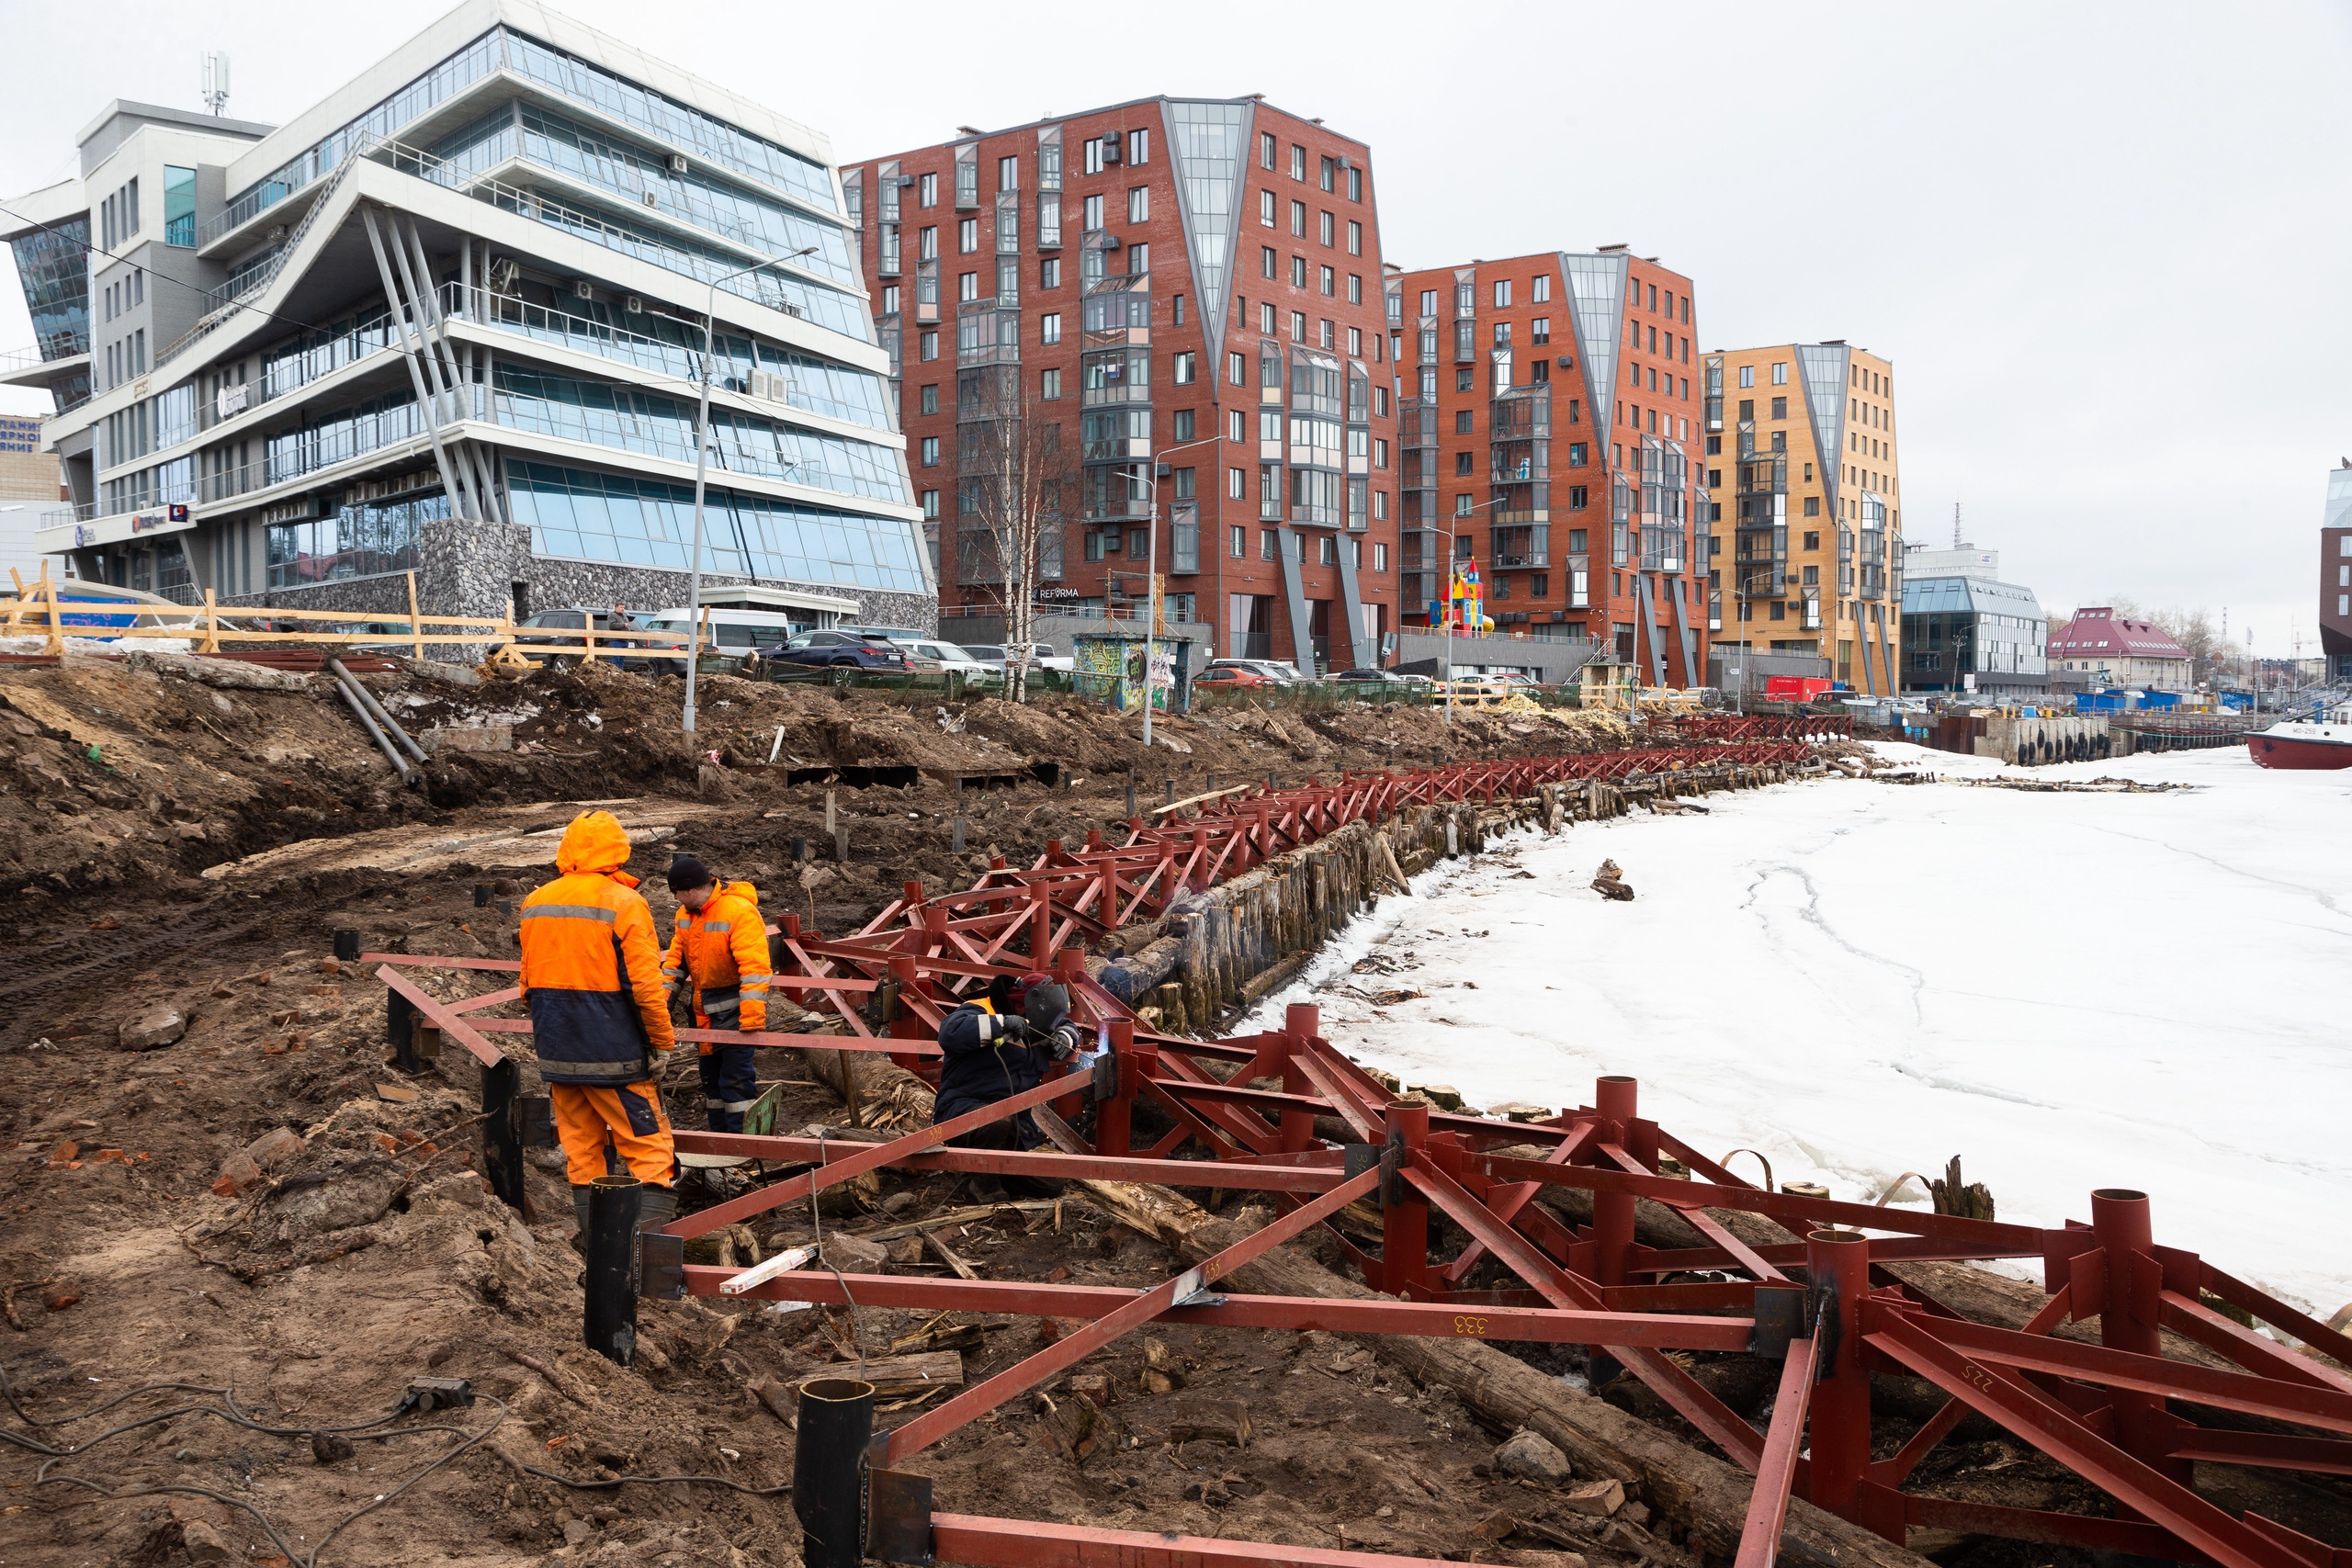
{"x": 1971, "y": 633}
{"x": 451, "y": 320}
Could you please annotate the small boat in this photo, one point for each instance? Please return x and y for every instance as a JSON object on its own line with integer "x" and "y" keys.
{"x": 2322, "y": 740}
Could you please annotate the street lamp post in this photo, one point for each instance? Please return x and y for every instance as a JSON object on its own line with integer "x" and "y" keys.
{"x": 1151, "y": 575}
{"x": 702, "y": 463}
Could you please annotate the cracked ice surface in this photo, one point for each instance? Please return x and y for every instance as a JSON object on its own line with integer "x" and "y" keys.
{"x": 2069, "y": 991}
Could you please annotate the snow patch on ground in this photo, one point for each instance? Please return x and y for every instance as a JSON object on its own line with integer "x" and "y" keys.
{"x": 1860, "y": 979}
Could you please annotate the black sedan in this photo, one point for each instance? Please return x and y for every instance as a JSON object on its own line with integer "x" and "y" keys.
{"x": 840, "y": 650}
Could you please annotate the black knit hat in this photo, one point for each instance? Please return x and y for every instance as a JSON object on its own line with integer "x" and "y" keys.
{"x": 687, "y": 874}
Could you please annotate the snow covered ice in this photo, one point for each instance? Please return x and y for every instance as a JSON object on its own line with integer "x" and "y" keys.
{"x": 1858, "y": 979}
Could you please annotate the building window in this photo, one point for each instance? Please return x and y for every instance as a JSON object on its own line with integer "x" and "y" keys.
{"x": 1267, "y": 262}
{"x": 1184, "y": 481}
{"x": 1811, "y": 509}
{"x": 1297, "y": 162}
{"x": 1138, "y": 259}
{"x": 931, "y": 504}
{"x": 1184, "y": 362}
{"x": 1298, "y": 219}
{"x": 1298, "y": 326}
{"x": 1779, "y": 373}
{"x": 1329, "y": 280}
{"x": 1049, "y": 273}
{"x": 967, "y": 236}
{"x": 1355, "y": 289}
{"x": 1266, "y": 208}
{"x": 967, "y": 285}
{"x": 1093, "y": 211}
{"x": 927, "y": 191}
{"x": 1579, "y": 497}
{"x": 1324, "y": 228}
{"x": 1237, "y": 371}
{"x": 1236, "y": 483}
{"x": 930, "y": 399}
{"x": 1237, "y": 539}
{"x": 179, "y": 207}
{"x": 1049, "y": 386}
{"x": 929, "y": 344}
{"x": 1747, "y": 378}
{"x": 1266, "y": 149}
{"x": 931, "y": 451}
{"x": 1091, "y": 155}
{"x": 1780, "y": 408}
{"x": 1138, "y": 203}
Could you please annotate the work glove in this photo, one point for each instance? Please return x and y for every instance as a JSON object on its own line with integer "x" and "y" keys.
{"x": 1063, "y": 1040}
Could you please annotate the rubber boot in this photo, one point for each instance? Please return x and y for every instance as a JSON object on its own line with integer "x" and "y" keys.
{"x": 656, "y": 1207}
{"x": 580, "y": 1212}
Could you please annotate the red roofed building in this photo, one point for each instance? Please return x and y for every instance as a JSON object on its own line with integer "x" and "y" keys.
{"x": 2100, "y": 648}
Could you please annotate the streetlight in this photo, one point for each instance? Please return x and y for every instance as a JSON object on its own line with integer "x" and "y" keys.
{"x": 702, "y": 460}
{"x": 1152, "y": 574}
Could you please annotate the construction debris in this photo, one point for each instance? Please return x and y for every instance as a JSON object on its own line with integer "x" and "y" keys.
{"x": 1608, "y": 882}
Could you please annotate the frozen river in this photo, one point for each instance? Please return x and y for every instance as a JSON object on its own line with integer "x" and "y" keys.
{"x": 2068, "y": 992}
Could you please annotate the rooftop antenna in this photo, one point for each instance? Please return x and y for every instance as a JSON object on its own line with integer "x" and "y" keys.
{"x": 1955, "y": 525}
{"x": 216, "y": 81}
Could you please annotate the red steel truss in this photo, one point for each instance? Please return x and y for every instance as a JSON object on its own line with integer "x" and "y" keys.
{"x": 1754, "y": 725}
{"x": 1820, "y": 1301}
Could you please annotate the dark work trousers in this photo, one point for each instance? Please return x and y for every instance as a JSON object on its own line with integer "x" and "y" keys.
{"x": 729, "y": 1085}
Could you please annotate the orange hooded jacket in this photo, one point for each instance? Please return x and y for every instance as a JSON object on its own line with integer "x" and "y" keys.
{"x": 721, "y": 950}
{"x": 592, "y": 964}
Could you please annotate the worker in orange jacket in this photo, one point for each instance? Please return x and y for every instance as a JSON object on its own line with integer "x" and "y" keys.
{"x": 592, "y": 973}
{"x": 720, "y": 953}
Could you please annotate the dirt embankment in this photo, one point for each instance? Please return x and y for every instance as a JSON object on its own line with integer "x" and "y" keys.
{"x": 225, "y": 1196}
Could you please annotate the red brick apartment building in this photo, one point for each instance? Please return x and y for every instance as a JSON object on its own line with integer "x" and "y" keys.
{"x": 1189, "y": 289}
{"x": 1547, "y": 414}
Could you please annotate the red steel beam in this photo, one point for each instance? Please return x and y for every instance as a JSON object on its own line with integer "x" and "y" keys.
{"x": 2198, "y": 1523}
{"x": 983, "y": 1542}
{"x": 869, "y": 1157}
{"x": 1776, "y": 1472}
{"x": 1421, "y": 1320}
{"x": 932, "y": 1424}
{"x": 1228, "y": 1175}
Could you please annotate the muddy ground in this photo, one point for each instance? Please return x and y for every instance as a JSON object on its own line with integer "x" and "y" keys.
{"x": 260, "y": 1205}
{"x": 358, "y": 1250}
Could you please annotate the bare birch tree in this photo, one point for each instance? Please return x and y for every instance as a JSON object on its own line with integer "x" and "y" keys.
{"x": 1013, "y": 481}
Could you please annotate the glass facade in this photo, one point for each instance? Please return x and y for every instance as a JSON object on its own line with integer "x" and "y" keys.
{"x": 1822, "y": 368}
{"x": 358, "y": 539}
{"x": 592, "y": 515}
{"x": 53, "y": 266}
{"x": 713, "y": 139}
{"x": 1210, "y": 145}
{"x": 1597, "y": 294}
{"x": 657, "y": 426}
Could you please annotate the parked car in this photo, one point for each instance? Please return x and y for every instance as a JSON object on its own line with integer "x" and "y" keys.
{"x": 1275, "y": 672}
{"x": 1231, "y": 676}
{"x": 884, "y": 633}
{"x": 922, "y": 653}
{"x": 540, "y": 637}
{"x": 838, "y": 649}
{"x": 1041, "y": 655}
{"x": 1382, "y": 676}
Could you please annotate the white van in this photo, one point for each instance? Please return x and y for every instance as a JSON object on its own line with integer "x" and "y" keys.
{"x": 738, "y": 634}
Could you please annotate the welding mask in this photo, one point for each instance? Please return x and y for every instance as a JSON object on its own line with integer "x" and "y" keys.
{"x": 1045, "y": 1006}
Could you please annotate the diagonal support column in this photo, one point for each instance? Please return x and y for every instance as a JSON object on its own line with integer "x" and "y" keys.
{"x": 1768, "y": 1504}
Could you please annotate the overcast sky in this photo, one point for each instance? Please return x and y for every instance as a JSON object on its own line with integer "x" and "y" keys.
{"x": 2107, "y": 246}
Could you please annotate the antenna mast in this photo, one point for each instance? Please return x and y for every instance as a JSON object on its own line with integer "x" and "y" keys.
{"x": 216, "y": 81}
{"x": 1955, "y": 525}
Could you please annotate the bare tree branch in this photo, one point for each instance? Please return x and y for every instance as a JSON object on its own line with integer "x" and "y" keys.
{"x": 1014, "y": 482}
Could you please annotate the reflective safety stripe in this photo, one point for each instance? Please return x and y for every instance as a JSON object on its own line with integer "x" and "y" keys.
{"x": 758, "y": 986}
{"x": 719, "y": 926}
{"x": 671, "y": 970}
{"x": 572, "y": 913}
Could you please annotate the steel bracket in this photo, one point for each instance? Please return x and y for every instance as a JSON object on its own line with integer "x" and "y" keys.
{"x": 1104, "y": 1083}
{"x": 897, "y": 1515}
{"x": 1357, "y": 1158}
{"x": 1193, "y": 1291}
{"x": 1780, "y": 1318}
{"x": 538, "y": 1115}
{"x": 661, "y": 1266}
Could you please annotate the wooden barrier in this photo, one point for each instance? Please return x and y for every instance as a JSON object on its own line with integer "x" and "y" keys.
{"x": 36, "y": 607}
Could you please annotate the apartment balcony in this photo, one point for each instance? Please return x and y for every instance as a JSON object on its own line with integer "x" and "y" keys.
{"x": 1465, "y": 342}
